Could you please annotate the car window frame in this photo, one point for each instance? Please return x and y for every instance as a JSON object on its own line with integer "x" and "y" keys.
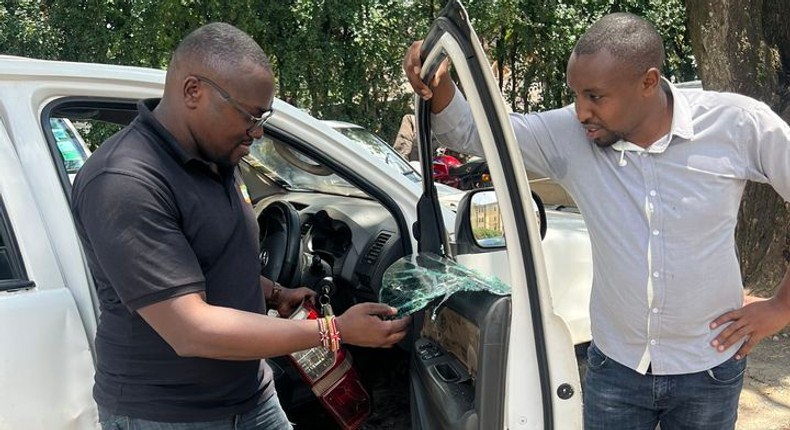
{"x": 100, "y": 103}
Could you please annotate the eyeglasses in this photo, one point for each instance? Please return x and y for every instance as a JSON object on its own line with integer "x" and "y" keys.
{"x": 257, "y": 121}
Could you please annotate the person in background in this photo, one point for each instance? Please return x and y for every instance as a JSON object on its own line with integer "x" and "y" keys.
{"x": 405, "y": 141}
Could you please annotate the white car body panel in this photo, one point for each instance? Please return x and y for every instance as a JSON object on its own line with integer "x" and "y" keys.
{"x": 46, "y": 362}
{"x": 566, "y": 249}
{"x": 47, "y": 380}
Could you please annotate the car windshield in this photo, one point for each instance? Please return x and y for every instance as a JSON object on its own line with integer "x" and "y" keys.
{"x": 377, "y": 147}
{"x": 265, "y": 158}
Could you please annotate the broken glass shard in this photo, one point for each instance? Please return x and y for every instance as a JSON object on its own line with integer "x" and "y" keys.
{"x": 413, "y": 282}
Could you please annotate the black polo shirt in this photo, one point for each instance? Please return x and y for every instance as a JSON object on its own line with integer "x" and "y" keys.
{"x": 155, "y": 224}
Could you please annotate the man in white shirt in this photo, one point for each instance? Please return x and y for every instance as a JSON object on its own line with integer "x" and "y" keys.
{"x": 658, "y": 174}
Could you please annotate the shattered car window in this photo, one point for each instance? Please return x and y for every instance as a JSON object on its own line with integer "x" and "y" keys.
{"x": 414, "y": 281}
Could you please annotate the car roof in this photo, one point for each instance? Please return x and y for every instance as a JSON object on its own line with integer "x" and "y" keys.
{"x": 35, "y": 68}
{"x": 15, "y": 68}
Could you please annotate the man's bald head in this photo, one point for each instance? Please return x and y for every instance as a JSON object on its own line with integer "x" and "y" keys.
{"x": 218, "y": 49}
{"x": 630, "y": 39}
{"x": 218, "y": 84}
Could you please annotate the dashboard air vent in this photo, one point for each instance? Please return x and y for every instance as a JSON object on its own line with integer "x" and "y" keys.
{"x": 375, "y": 249}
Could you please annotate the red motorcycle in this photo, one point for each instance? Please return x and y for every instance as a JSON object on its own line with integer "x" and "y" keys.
{"x": 442, "y": 164}
{"x": 448, "y": 170}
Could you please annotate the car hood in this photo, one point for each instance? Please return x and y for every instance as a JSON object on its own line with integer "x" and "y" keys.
{"x": 449, "y": 196}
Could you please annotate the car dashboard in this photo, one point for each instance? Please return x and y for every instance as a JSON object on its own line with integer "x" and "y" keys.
{"x": 356, "y": 238}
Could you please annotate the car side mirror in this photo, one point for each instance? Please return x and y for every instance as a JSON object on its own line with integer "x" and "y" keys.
{"x": 479, "y": 223}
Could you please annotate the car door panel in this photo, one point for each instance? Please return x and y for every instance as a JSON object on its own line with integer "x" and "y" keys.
{"x": 46, "y": 357}
{"x": 58, "y": 381}
{"x": 459, "y": 362}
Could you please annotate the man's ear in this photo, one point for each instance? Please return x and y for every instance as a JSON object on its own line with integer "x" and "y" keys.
{"x": 192, "y": 92}
{"x": 651, "y": 80}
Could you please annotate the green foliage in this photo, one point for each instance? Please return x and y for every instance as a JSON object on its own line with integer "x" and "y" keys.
{"x": 339, "y": 59}
{"x": 533, "y": 39}
{"x": 94, "y": 133}
{"x": 484, "y": 233}
{"x": 139, "y": 32}
{"x": 25, "y": 30}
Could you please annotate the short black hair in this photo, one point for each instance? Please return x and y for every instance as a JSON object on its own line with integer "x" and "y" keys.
{"x": 219, "y": 47}
{"x": 626, "y": 37}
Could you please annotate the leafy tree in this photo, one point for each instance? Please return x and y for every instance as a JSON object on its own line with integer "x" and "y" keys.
{"x": 139, "y": 32}
{"x": 338, "y": 59}
{"x": 531, "y": 41}
{"x": 25, "y": 30}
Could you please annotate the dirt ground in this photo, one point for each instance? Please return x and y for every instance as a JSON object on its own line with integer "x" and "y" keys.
{"x": 765, "y": 400}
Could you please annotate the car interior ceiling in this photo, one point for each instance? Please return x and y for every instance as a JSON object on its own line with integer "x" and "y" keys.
{"x": 112, "y": 112}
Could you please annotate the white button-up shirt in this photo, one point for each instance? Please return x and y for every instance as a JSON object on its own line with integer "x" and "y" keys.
{"x": 661, "y": 220}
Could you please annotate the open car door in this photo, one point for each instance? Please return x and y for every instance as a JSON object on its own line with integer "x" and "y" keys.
{"x": 490, "y": 359}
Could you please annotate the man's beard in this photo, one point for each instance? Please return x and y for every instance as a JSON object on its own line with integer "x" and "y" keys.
{"x": 224, "y": 160}
{"x": 607, "y": 140}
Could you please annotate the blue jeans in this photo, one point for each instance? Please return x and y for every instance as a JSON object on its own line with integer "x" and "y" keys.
{"x": 616, "y": 397}
{"x": 267, "y": 415}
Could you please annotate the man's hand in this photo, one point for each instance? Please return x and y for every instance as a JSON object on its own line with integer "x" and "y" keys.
{"x": 441, "y": 85}
{"x": 412, "y": 65}
{"x": 290, "y": 298}
{"x": 361, "y": 325}
{"x": 757, "y": 319}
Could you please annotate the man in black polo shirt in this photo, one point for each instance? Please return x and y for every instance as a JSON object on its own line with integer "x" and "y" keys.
{"x": 173, "y": 247}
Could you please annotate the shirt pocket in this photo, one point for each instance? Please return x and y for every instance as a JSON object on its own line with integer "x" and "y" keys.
{"x": 721, "y": 166}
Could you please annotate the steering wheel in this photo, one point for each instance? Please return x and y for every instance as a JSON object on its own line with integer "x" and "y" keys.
{"x": 281, "y": 244}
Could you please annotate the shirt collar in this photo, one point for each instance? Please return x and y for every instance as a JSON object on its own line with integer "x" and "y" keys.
{"x": 170, "y": 143}
{"x": 682, "y": 124}
{"x": 682, "y": 121}
{"x": 145, "y": 111}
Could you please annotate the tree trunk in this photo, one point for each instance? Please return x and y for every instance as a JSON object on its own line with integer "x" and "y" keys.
{"x": 743, "y": 46}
